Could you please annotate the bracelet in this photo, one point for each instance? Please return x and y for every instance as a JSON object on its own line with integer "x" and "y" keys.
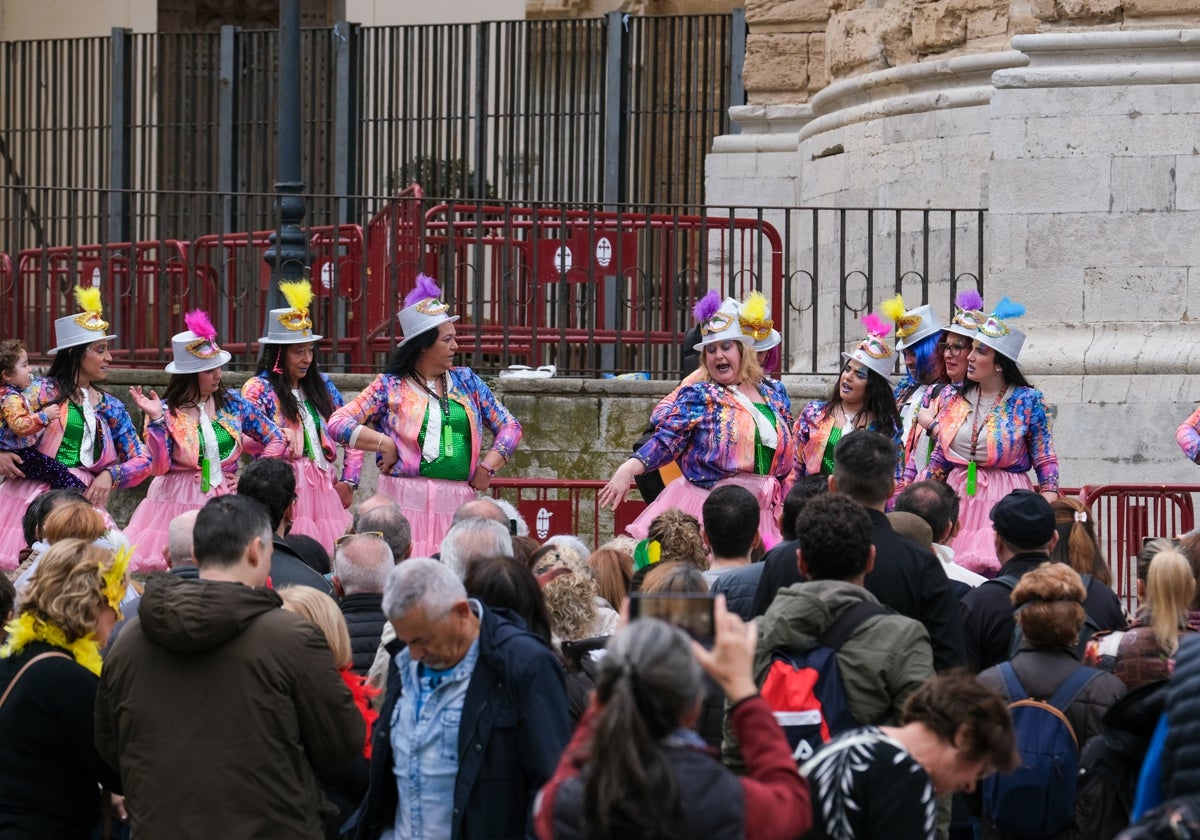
{"x": 379, "y": 443}
{"x": 483, "y": 466}
{"x": 353, "y": 485}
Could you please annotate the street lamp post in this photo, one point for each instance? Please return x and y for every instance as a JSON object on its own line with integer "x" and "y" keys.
{"x": 288, "y": 254}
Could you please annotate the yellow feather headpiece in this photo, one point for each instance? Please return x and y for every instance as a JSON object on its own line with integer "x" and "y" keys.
{"x": 299, "y": 295}
{"x": 88, "y": 299}
{"x": 754, "y": 317}
{"x": 893, "y": 309}
{"x": 114, "y": 579}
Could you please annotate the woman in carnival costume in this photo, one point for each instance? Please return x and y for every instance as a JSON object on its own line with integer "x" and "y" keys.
{"x": 195, "y": 434}
{"x": 734, "y": 427}
{"x": 92, "y": 436}
{"x": 51, "y": 776}
{"x": 920, "y": 342}
{"x": 861, "y": 399}
{"x": 424, "y": 420}
{"x": 990, "y": 433}
{"x": 290, "y": 388}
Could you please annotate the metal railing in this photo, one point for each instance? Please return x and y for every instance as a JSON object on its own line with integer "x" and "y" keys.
{"x": 591, "y": 288}
{"x": 616, "y": 109}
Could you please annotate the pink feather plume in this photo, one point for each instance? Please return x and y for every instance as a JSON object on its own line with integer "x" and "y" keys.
{"x": 426, "y": 288}
{"x": 707, "y": 306}
{"x": 969, "y": 299}
{"x": 197, "y": 321}
{"x": 876, "y": 325}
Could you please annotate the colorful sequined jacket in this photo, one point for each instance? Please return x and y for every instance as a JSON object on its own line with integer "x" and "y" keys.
{"x": 1015, "y": 437}
{"x": 174, "y": 439}
{"x": 812, "y": 435}
{"x": 123, "y": 454}
{"x": 1188, "y": 436}
{"x": 712, "y": 435}
{"x": 262, "y": 396}
{"x": 21, "y": 426}
{"x": 664, "y": 405}
{"x": 396, "y": 407}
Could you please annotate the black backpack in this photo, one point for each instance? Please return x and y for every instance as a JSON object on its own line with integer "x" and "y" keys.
{"x": 1089, "y": 629}
{"x": 1111, "y": 760}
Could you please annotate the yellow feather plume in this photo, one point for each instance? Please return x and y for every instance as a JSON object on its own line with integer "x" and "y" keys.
{"x": 114, "y": 579}
{"x": 299, "y": 294}
{"x": 893, "y": 308}
{"x": 89, "y": 299}
{"x": 754, "y": 308}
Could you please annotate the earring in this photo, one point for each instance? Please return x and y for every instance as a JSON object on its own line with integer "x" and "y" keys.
{"x": 277, "y": 369}
{"x": 998, "y": 369}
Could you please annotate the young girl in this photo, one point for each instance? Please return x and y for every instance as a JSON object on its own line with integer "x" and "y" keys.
{"x": 22, "y": 427}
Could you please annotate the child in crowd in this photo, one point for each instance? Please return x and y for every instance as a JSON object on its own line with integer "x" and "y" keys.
{"x": 21, "y": 427}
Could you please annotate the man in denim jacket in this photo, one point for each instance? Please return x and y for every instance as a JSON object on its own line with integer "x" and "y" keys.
{"x": 475, "y": 717}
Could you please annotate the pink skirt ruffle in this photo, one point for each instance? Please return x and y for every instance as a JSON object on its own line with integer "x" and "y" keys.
{"x": 689, "y": 498}
{"x": 319, "y": 511}
{"x": 428, "y": 504}
{"x": 15, "y": 496}
{"x": 169, "y": 495}
{"x": 975, "y": 545}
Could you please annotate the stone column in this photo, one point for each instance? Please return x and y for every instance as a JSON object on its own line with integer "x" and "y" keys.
{"x": 1094, "y": 209}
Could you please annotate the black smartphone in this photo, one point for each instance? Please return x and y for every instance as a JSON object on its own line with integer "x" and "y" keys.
{"x": 691, "y": 612}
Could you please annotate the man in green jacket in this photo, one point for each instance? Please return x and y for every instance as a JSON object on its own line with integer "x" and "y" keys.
{"x": 886, "y": 657}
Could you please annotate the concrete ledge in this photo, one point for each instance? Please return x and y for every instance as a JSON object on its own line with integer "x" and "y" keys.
{"x": 1091, "y": 59}
{"x": 928, "y": 86}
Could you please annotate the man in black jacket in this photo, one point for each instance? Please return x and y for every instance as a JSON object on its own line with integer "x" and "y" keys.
{"x": 481, "y": 718}
{"x": 271, "y": 483}
{"x": 906, "y": 577}
{"x": 1025, "y": 537}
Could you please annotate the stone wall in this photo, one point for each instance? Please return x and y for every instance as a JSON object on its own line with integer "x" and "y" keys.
{"x": 796, "y": 47}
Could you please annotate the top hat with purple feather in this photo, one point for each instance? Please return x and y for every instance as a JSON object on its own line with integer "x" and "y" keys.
{"x": 423, "y": 309}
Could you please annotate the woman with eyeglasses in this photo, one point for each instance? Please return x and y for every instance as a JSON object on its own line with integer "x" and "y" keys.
{"x": 990, "y": 433}
{"x": 731, "y": 427}
{"x": 289, "y": 387}
{"x": 93, "y": 436}
{"x": 195, "y": 433}
{"x": 861, "y": 399}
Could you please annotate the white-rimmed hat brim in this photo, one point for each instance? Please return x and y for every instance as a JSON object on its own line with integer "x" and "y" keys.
{"x": 873, "y": 365}
{"x": 433, "y": 323}
{"x": 87, "y": 339}
{"x": 201, "y": 365}
{"x": 770, "y": 342}
{"x": 266, "y": 339}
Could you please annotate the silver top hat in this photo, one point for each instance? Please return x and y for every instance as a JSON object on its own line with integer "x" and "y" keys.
{"x": 196, "y": 349}
{"x": 84, "y": 328}
{"x": 423, "y": 310}
{"x": 292, "y": 324}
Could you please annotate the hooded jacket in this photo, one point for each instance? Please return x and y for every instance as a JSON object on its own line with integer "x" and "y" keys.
{"x": 213, "y": 705}
{"x": 884, "y": 660}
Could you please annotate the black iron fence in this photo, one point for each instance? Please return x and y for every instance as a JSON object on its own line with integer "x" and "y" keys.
{"x": 587, "y": 287}
{"x": 609, "y": 110}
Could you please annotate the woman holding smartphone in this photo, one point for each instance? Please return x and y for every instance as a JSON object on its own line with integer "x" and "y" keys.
{"x": 647, "y": 694}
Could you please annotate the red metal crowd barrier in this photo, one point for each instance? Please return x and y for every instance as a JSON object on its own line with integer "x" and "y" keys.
{"x": 552, "y": 506}
{"x": 144, "y": 283}
{"x": 1128, "y": 514}
{"x": 8, "y": 286}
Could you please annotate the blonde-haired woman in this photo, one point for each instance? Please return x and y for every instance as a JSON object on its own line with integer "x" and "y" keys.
{"x": 344, "y": 786}
{"x": 1145, "y": 653}
{"x": 51, "y": 775}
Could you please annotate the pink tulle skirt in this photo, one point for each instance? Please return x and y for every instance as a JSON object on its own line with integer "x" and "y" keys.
{"x": 689, "y": 498}
{"x": 319, "y": 511}
{"x": 169, "y": 495}
{"x": 428, "y": 504}
{"x": 15, "y": 496}
{"x": 975, "y": 546}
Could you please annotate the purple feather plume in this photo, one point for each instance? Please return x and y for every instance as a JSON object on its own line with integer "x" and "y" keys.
{"x": 197, "y": 321}
{"x": 969, "y": 299}
{"x": 426, "y": 288}
{"x": 707, "y": 306}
